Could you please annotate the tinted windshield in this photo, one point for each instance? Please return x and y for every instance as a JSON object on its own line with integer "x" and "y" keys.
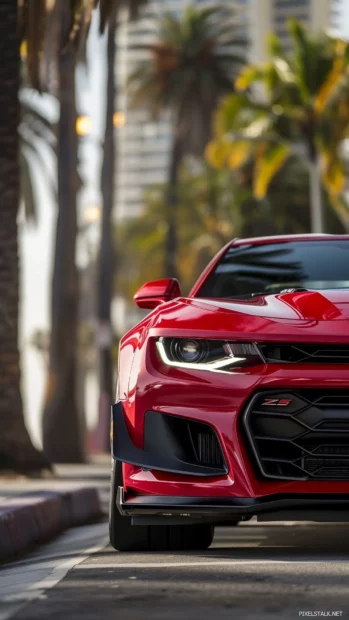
{"x": 268, "y": 268}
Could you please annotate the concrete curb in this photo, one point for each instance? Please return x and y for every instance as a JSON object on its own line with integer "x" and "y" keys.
{"x": 33, "y": 518}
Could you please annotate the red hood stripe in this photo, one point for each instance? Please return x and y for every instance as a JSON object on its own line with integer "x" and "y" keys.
{"x": 308, "y": 306}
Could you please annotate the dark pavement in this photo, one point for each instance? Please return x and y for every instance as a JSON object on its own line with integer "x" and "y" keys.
{"x": 252, "y": 571}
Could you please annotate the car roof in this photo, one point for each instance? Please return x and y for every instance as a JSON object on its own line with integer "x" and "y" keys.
{"x": 289, "y": 238}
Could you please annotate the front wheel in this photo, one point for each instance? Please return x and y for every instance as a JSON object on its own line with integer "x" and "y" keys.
{"x": 127, "y": 537}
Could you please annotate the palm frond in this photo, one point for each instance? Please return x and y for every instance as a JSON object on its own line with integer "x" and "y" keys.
{"x": 270, "y": 159}
{"x": 191, "y": 65}
{"x": 304, "y": 59}
{"x": 336, "y": 75}
{"x": 37, "y": 148}
{"x": 305, "y": 110}
{"x": 34, "y": 17}
{"x": 27, "y": 189}
{"x": 274, "y": 46}
{"x": 249, "y": 75}
{"x": 33, "y": 151}
{"x": 32, "y": 115}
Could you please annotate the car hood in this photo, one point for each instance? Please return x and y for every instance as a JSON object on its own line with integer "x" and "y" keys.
{"x": 302, "y": 316}
{"x": 330, "y": 305}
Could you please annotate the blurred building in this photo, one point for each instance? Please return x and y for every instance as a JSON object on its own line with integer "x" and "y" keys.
{"x": 272, "y": 15}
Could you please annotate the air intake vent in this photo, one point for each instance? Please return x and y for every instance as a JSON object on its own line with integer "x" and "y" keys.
{"x": 186, "y": 440}
{"x": 302, "y": 435}
{"x": 305, "y": 353}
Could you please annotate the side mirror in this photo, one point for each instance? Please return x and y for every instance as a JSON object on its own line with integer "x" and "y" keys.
{"x": 152, "y": 294}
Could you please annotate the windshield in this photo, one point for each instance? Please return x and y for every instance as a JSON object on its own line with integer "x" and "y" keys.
{"x": 245, "y": 270}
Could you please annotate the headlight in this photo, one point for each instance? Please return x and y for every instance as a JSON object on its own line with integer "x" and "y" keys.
{"x": 200, "y": 354}
{"x": 192, "y": 351}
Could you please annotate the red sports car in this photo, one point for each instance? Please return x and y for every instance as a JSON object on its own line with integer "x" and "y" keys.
{"x": 233, "y": 402}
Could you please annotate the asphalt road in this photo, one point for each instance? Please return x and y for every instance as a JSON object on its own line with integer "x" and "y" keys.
{"x": 252, "y": 571}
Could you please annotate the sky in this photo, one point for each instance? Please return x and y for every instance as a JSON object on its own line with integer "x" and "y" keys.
{"x": 37, "y": 244}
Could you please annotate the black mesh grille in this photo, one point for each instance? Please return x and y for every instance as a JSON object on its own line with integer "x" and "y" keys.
{"x": 305, "y": 353}
{"x": 206, "y": 445}
{"x": 300, "y": 435}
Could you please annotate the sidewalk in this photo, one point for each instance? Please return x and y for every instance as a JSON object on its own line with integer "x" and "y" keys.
{"x": 35, "y": 510}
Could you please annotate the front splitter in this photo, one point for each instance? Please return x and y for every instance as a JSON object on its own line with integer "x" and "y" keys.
{"x": 161, "y": 508}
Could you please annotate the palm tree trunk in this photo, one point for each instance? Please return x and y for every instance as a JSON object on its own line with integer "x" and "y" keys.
{"x": 62, "y": 424}
{"x": 316, "y": 200}
{"x": 171, "y": 202}
{"x": 16, "y": 449}
{"x": 106, "y": 258}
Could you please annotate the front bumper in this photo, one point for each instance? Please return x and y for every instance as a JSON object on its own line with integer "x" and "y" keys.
{"x": 218, "y": 400}
{"x": 146, "y": 510}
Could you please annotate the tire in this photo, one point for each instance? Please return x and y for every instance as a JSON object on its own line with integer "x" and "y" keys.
{"x": 127, "y": 537}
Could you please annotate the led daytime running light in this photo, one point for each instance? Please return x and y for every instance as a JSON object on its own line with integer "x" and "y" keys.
{"x": 233, "y": 355}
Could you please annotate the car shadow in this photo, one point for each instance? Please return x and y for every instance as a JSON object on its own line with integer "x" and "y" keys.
{"x": 281, "y": 542}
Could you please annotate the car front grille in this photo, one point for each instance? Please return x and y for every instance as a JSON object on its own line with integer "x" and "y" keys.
{"x": 305, "y": 353}
{"x": 300, "y": 435}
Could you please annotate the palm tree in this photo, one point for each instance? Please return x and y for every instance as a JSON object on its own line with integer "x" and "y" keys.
{"x": 192, "y": 64}
{"x": 62, "y": 420}
{"x": 106, "y": 270}
{"x": 16, "y": 450}
{"x": 62, "y": 415}
{"x": 290, "y": 105}
{"x": 22, "y": 20}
